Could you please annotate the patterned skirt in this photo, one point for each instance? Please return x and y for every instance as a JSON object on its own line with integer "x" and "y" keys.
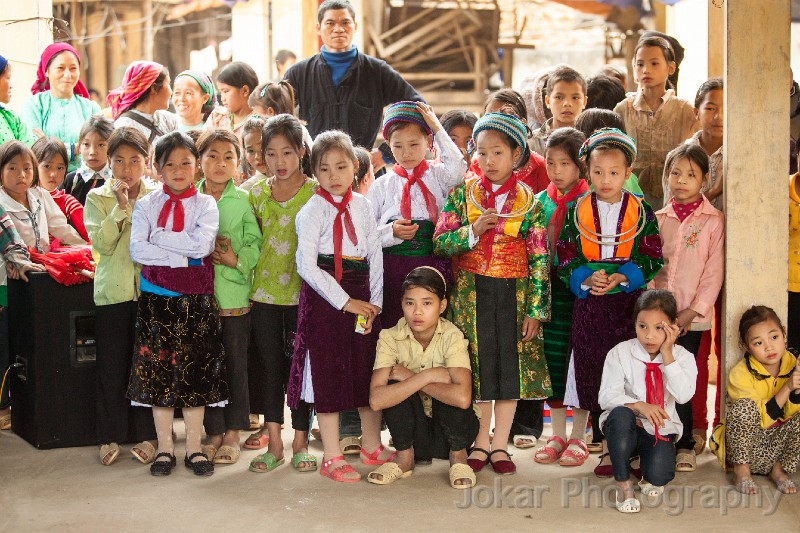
{"x": 599, "y": 324}
{"x": 557, "y": 335}
{"x": 178, "y": 358}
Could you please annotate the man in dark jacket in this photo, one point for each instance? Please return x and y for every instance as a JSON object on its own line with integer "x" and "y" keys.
{"x": 341, "y": 88}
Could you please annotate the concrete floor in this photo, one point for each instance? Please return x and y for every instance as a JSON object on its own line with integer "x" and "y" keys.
{"x": 67, "y": 490}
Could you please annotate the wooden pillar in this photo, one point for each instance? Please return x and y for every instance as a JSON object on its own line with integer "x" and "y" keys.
{"x": 756, "y": 163}
{"x": 716, "y": 38}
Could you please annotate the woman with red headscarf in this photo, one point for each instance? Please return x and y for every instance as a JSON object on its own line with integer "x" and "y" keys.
{"x": 60, "y": 103}
{"x": 141, "y": 101}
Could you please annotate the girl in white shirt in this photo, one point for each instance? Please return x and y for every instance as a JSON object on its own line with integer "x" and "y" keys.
{"x": 339, "y": 258}
{"x": 643, "y": 379}
{"x": 35, "y": 214}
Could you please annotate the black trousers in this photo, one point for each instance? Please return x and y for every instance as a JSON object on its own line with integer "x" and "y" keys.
{"x": 5, "y": 358}
{"x": 235, "y": 415}
{"x": 118, "y": 421}
{"x": 793, "y": 322}
{"x": 449, "y": 429}
{"x": 690, "y": 341}
{"x": 626, "y": 439}
{"x": 528, "y": 419}
{"x": 496, "y": 319}
{"x": 273, "y": 329}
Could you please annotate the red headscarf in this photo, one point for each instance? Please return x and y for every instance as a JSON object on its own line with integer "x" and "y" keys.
{"x": 42, "y": 83}
{"x": 138, "y": 78}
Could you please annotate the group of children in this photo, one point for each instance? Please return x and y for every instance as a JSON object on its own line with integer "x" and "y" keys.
{"x": 559, "y": 281}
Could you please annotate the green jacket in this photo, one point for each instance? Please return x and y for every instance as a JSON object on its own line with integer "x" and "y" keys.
{"x": 116, "y": 278}
{"x": 238, "y": 223}
{"x": 12, "y": 128}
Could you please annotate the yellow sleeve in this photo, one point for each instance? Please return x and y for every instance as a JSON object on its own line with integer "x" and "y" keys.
{"x": 455, "y": 352}
{"x": 742, "y": 384}
{"x": 386, "y": 355}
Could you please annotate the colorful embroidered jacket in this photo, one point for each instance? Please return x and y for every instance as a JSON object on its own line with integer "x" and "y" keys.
{"x": 639, "y": 259}
{"x": 518, "y": 249}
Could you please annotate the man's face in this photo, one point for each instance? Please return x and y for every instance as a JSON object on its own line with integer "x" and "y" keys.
{"x": 337, "y": 30}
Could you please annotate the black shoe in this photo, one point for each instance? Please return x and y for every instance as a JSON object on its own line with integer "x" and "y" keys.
{"x": 163, "y": 468}
{"x": 200, "y": 468}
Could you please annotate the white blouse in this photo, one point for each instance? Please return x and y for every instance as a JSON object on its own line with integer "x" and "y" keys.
{"x": 314, "y": 225}
{"x": 624, "y": 382}
{"x": 387, "y": 191}
{"x": 45, "y": 218}
{"x": 151, "y": 245}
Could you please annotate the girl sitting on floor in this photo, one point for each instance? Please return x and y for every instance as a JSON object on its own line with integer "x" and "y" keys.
{"x": 761, "y": 433}
{"x": 423, "y": 383}
{"x": 643, "y": 379}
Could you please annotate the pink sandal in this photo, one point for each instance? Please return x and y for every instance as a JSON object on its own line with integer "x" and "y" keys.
{"x": 373, "y": 458}
{"x": 551, "y": 453}
{"x": 338, "y": 473}
{"x": 572, "y": 457}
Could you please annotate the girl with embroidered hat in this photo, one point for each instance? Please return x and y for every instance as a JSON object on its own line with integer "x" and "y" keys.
{"x": 11, "y": 126}
{"x": 194, "y": 97}
{"x": 407, "y": 200}
{"x": 496, "y": 227}
{"x": 60, "y": 103}
{"x": 142, "y": 100}
{"x": 608, "y": 250}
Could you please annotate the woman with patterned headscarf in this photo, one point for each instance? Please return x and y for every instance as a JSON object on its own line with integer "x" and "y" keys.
{"x": 194, "y": 97}
{"x": 60, "y": 103}
{"x": 141, "y": 101}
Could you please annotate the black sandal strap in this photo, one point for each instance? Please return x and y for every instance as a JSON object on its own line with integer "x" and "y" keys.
{"x": 487, "y": 453}
{"x": 197, "y": 454}
{"x": 503, "y": 451}
{"x": 164, "y": 454}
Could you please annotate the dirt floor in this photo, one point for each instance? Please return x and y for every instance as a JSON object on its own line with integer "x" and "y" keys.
{"x": 67, "y": 490}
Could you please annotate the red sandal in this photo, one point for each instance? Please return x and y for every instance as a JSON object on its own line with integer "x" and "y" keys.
{"x": 573, "y": 457}
{"x": 477, "y": 464}
{"x": 551, "y": 453}
{"x": 603, "y": 471}
{"x": 339, "y": 473}
{"x": 373, "y": 458}
{"x": 504, "y": 467}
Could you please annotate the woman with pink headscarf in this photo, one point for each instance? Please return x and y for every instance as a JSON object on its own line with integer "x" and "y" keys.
{"x": 141, "y": 101}
{"x": 60, "y": 103}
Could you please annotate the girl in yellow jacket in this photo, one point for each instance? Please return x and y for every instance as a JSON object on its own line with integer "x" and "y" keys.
{"x": 762, "y": 432}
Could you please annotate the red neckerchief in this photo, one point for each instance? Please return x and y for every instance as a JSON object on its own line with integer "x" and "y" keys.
{"x": 416, "y": 178}
{"x": 682, "y": 211}
{"x": 558, "y": 217}
{"x": 491, "y": 196}
{"x": 654, "y": 383}
{"x": 175, "y": 205}
{"x": 338, "y": 233}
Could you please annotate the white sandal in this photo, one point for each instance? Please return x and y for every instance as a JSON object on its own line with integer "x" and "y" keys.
{"x": 648, "y": 489}
{"x": 629, "y": 506}
{"x": 520, "y": 443}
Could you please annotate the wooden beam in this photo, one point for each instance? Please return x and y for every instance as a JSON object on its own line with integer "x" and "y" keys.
{"x": 756, "y": 163}
{"x": 716, "y": 38}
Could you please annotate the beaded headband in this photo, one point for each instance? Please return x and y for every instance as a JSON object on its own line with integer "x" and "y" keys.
{"x": 611, "y": 136}
{"x": 505, "y": 123}
{"x": 437, "y": 271}
{"x": 404, "y": 112}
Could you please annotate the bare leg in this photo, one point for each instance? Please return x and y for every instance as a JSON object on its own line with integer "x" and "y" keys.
{"x": 329, "y": 429}
{"x": 193, "y": 418}
{"x": 483, "y": 440}
{"x": 503, "y": 418}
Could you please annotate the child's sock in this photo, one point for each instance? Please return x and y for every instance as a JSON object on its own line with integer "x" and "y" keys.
{"x": 558, "y": 418}
{"x": 162, "y": 417}
{"x": 193, "y": 418}
{"x": 579, "y": 418}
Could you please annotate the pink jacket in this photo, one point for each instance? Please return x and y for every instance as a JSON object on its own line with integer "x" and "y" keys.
{"x": 694, "y": 259}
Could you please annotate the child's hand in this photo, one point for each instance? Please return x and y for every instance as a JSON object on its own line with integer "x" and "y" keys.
{"x": 485, "y": 222}
{"x": 360, "y": 307}
{"x": 654, "y": 413}
{"x": 377, "y": 160}
{"x": 793, "y": 383}
{"x": 223, "y": 253}
{"x": 612, "y": 281}
{"x": 404, "y": 229}
{"x": 400, "y": 373}
{"x": 597, "y": 282}
{"x": 120, "y": 190}
{"x": 530, "y": 327}
{"x": 684, "y": 320}
{"x": 438, "y": 374}
{"x": 672, "y": 332}
{"x": 430, "y": 117}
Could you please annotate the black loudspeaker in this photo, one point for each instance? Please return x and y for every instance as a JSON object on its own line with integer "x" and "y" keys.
{"x": 51, "y": 333}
